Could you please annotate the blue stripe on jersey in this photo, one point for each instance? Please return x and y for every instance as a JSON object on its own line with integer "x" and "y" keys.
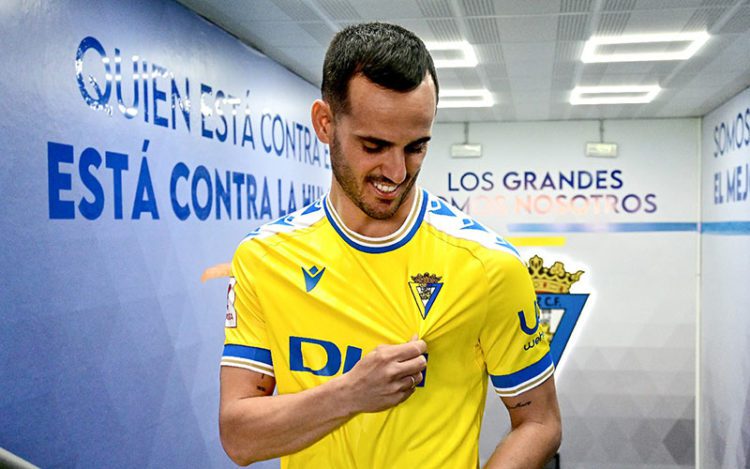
{"x": 519, "y": 377}
{"x": 250, "y": 353}
{"x": 386, "y": 248}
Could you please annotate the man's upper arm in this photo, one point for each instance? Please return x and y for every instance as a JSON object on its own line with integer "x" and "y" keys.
{"x": 512, "y": 339}
{"x": 239, "y": 383}
{"x": 246, "y": 343}
{"x": 538, "y": 405}
{"x": 239, "y": 388}
{"x": 246, "y": 363}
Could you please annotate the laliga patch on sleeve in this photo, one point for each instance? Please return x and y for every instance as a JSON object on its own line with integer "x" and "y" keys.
{"x": 231, "y": 317}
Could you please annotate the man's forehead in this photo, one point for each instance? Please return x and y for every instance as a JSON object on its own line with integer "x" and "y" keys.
{"x": 361, "y": 80}
{"x": 368, "y": 100}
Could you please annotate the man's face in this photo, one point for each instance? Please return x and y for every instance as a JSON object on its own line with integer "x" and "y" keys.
{"x": 378, "y": 146}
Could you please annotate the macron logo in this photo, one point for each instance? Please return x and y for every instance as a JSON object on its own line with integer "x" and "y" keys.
{"x": 312, "y": 277}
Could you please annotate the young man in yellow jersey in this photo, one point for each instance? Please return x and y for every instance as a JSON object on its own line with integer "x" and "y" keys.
{"x": 379, "y": 311}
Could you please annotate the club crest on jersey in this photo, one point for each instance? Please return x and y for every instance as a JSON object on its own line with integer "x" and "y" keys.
{"x": 425, "y": 288}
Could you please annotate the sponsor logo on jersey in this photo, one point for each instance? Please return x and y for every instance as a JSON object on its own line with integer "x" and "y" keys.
{"x": 312, "y": 277}
{"x": 425, "y": 289}
{"x": 532, "y": 331}
{"x": 231, "y": 317}
{"x": 325, "y": 358}
{"x": 522, "y": 319}
{"x": 557, "y": 309}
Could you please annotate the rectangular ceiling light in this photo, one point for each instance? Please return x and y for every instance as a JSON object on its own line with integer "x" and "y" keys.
{"x": 465, "y": 98}
{"x": 614, "y": 94}
{"x": 654, "y": 47}
{"x": 452, "y": 54}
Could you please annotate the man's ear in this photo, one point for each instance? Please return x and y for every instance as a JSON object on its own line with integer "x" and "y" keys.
{"x": 322, "y": 120}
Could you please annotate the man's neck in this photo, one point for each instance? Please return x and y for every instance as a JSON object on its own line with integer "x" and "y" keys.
{"x": 359, "y": 222}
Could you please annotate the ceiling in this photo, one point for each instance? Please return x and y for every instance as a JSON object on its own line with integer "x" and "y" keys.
{"x": 528, "y": 50}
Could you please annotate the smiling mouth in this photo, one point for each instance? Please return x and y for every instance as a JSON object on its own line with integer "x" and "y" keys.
{"x": 384, "y": 187}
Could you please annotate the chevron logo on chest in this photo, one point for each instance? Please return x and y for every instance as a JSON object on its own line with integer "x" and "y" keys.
{"x": 312, "y": 277}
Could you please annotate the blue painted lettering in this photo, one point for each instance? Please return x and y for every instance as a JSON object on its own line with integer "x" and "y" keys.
{"x": 157, "y": 72}
{"x": 223, "y": 194}
{"x": 58, "y": 181}
{"x": 91, "y": 210}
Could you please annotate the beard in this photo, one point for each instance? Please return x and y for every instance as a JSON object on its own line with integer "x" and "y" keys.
{"x": 378, "y": 209}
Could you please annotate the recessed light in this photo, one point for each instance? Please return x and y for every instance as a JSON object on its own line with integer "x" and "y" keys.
{"x": 465, "y": 98}
{"x": 694, "y": 42}
{"x": 628, "y": 94}
{"x": 452, "y": 54}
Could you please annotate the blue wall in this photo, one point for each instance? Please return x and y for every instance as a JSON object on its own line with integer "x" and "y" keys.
{"x": 111, "y": 210}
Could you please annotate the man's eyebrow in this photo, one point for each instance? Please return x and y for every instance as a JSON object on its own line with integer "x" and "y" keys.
{"x": 420, "y": 141}
{"x": 384, "y": 143}
{"x": 375, "y": 140}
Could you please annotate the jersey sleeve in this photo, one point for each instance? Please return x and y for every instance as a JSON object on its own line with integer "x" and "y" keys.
{"x": 514, "y": 345}
{"x": 246, "y": 344}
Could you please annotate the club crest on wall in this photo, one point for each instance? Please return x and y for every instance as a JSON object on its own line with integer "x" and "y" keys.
{"x": 559, "y": 308}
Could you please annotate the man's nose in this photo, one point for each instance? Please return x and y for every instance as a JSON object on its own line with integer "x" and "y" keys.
{"x": 394, "y": 165}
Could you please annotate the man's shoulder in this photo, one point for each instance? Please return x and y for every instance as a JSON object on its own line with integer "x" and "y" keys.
{"x": 293, "y": 224}
{"x": 461, "y": 228}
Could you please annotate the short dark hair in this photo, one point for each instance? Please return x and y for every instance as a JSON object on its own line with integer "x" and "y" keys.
{"x": 386, "y": 54}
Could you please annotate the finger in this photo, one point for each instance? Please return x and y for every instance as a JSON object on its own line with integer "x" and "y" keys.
{"x": 407, "y": 383}
{"x": 412, "y": 366}
{"x": 407, "y": 351}
{"x": 404, "y": 395}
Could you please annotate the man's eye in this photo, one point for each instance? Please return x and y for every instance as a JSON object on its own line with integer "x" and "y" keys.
{"x": 417, "y": 148}
{"x": 369, "y": 148}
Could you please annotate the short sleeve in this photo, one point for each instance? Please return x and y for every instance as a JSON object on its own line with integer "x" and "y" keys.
{"x": 514, "y": 345}
{"x": 245, "y": 344}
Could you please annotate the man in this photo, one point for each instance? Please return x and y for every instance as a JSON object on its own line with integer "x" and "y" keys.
{"x": 379, "y": 311}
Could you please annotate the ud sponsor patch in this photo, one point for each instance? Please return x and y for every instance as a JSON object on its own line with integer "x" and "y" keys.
{"x": 231, "y": 317}
{"x": 558, "y": 309}
{"x": 425, "y": 289}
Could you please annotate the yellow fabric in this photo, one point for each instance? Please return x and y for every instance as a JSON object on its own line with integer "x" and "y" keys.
{"x": 363, "y": 299}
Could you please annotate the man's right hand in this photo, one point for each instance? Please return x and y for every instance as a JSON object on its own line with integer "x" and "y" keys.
{"x": 385, "y": 377}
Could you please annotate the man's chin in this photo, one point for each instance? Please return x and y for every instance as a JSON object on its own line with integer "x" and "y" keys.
{"x": 382, "y": 209}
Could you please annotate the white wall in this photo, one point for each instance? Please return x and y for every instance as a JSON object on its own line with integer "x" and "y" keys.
{"x": 725, "y": 297}
{"x": 626, "y": 379}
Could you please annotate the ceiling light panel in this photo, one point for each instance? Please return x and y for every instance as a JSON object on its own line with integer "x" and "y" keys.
{"x": 452, "y": 54}
{"x": 465, "y": 98}
{"x": 652, "y": 47}
{"x": 629, "y": 94}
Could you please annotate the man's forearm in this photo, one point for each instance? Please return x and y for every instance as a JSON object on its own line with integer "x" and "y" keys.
{"x": 529, "y": 445}
{"x": 256, "y": 426}
{"x": 259, "y": 428}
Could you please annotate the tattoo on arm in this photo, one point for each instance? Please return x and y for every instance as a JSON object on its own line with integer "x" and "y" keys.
{"x": 259, "y": 387}
{"x": 519, "y": 405}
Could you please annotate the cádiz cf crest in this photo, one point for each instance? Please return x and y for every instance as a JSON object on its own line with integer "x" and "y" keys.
{"x": 425, "y": 288}
{"x": 560, "y": 309}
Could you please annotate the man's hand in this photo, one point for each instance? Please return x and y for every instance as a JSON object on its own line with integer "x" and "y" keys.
{"x": 385, "y": 377}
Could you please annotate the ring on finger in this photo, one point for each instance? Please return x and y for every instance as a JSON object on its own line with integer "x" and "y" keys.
{"x": 413, "y": 382}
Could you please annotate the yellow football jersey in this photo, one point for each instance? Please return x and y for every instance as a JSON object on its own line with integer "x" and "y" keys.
{"x": 309, "y": 297}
